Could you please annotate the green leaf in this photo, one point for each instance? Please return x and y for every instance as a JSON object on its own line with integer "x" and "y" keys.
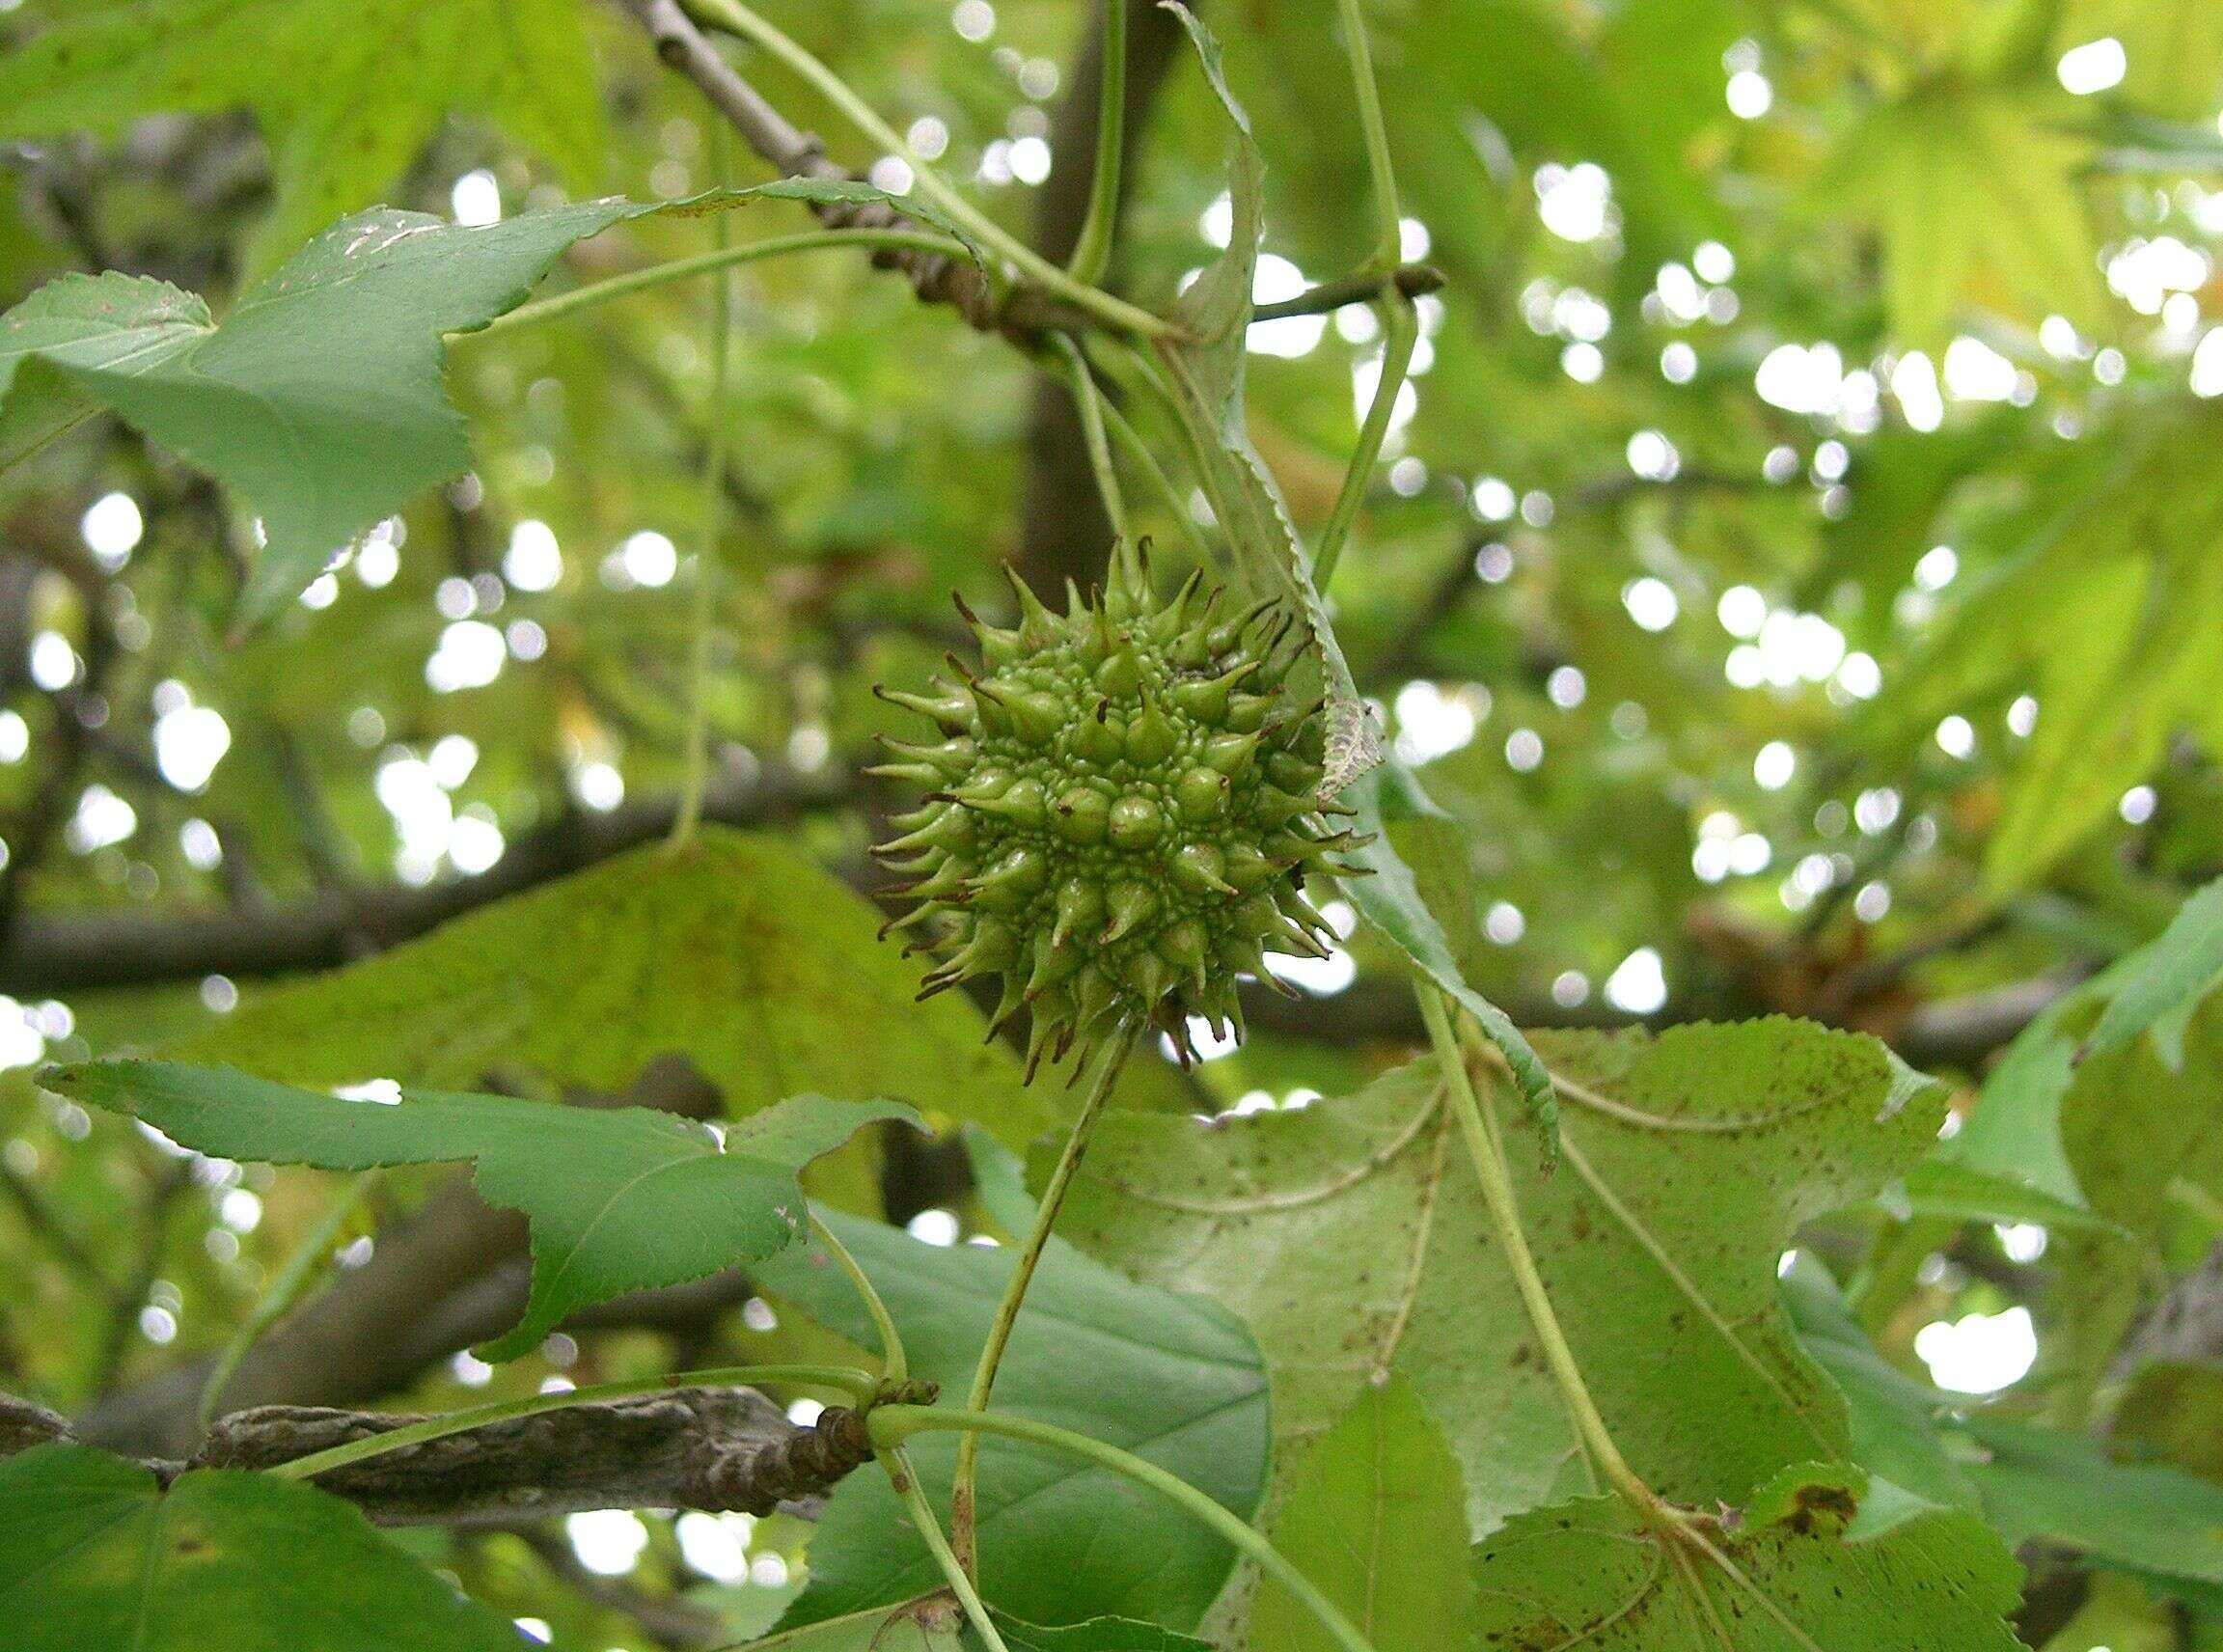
{"x": 2158, "y": 987}
{"x": 319, "y": 397}
{"x": 1097, "y": 1635}
{"x": 348, "y": 91}
{"x": 2107, "y": 613}
{"x": 1171, "y": 1378}
{"x": 1366, "y": 1520}
{"x": 575, "y": 985}
{"x": 1390, "y": 805}
{"x": 1348, "y": 1235}
{"x": 932, "y": 1623}
{"x": 1589, "y": 1573}
{"x": 2012, "y": 1140}
{"x": 112, "y": 323}
{"x": 1895, "y": 1434}
{"x": 619, "y": 1199}
{"x": 2037, "y": 1482}
{"x": 1204, "y": 367}
{"x": 93, "y": 1555}
{"x": 2136, "y": 1129}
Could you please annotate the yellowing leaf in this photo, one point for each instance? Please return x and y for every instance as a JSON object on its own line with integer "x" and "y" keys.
{"x": 758, "y": 966}
{"x": 1352, "y": 1238}
{"x": 1590, "y": 1575}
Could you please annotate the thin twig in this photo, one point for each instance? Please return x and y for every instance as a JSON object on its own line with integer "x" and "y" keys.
{"x": 1363, "y": 287}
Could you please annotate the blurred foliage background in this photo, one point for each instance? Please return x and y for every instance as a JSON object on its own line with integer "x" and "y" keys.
{"x": 1797, "y": 562}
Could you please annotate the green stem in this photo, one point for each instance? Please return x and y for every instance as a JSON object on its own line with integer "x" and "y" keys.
{"x": 905, "y": 1479}
{"x": 861, "y": 1383}
{"x": 285, "y": 1290}
{"x": 892, "y": 1424}
{"x": 1402, "y": 331}
{"x": 618, "y": 287}
{"x": 1388, "y": 243}
{"x": 694, "y": 776}
{"x": 736, "y": 18}
{"x": 1090, "y": 407}
{"x": 1139, "y": 452}
{"x": 961, "y": 1483}
{"x": 1092, "y": 250}
{"x": 896, "y": 1365}
{"x": 1505, "y": 1220}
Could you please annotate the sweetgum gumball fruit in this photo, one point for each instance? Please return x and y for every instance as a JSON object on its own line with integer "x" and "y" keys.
{"x": 1121, "y": 812}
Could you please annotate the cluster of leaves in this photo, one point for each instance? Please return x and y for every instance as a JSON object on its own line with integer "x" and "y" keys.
{"x": 1308, "y": 1313}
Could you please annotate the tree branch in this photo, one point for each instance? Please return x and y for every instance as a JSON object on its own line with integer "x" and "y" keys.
{"x": 715, "y": 1448}
{"x": 796, "y": 153}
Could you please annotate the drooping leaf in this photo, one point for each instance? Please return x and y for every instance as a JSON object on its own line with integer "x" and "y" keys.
{"x": 619, "y": 1199}
{"x": 1351, "y": 1236}
{"x": 1204, "y": 368}
{"x": 1389, "y": 800}
{"x": 1895, "y": 1433}
{"x": 1369, "y": 1520}
{"x": 2136, "y": 1129}
{"x": 1591, "y": 1574}
{"x": 403, "y": 67}
{"x": 93, "y": 1554}
{"x": 740, "y": 955}
{"x": 2041, "y": 1482}
{"x": 318, "y": 397}
{"x": 1171, "y": 1378}
{"x": 2014, "y": 1140}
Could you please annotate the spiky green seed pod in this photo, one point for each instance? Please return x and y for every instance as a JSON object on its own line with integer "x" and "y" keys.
{"x": 1121, "y": 812}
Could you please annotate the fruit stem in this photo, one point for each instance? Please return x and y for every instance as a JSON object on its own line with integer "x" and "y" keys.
{"x": 1090, "y": 407}
{"x": 1400, "y": 335}
{"x": 1479, "y": 1127}
{"x": 962, "y": 1491}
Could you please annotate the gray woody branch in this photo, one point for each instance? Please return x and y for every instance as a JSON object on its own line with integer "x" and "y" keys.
{"x": 714, "y": 1448}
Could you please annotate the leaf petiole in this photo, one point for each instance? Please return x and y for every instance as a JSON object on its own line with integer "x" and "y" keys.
{"x": 896, "y": 1366}
{"x": 1475, "y": 1126}
{"x": 890, "y": 1426}
{"x": 617, "y": 287}
{"x": 905, "y": 1479}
